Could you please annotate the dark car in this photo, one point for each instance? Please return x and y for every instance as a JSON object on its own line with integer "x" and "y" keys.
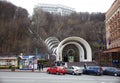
{"x": 56, "y": 70}
{"x": 111, "y": 71}
{"x": 93, "y": 70}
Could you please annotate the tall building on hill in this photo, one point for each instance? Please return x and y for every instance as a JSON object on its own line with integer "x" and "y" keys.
{"x": 55, "y": 9}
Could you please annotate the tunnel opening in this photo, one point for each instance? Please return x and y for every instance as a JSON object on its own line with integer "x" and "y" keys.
{"x": 70, "y": 53}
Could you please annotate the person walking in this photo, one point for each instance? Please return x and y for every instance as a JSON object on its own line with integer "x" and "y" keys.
{"x": 39, "y": 66}
{"x": 42, "y": 67}
{"x": 85, "y": 66}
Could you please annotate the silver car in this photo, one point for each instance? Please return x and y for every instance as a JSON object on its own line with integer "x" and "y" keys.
{"x": 74, "y": 70}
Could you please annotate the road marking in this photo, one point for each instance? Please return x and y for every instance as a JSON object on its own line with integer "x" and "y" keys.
{"x": 16, "y": 80}
{"x": 102, "y": 82}
{"x": 66, "y": 81}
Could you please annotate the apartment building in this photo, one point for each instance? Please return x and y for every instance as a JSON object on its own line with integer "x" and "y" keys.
{"x": 113, "y": 25}
{"x": 111, "y": 56}
{"x": 55, "y": 9}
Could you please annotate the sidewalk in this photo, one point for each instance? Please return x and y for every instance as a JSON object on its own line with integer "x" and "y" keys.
{"x": 18, "y": 70}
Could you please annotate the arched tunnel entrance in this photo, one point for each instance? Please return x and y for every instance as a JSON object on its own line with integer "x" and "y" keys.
{"x": 71, "y": 49}
{"x": 70, "y": 53}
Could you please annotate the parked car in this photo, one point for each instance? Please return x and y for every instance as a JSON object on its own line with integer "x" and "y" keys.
{"x": 56, "y": 70}
{"x": 74, "y": 70}
{"x": 93, "y": 70}
{"x": 111, "y": 71}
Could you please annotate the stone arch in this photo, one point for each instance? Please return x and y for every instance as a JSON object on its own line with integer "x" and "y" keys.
{"x": 52, "y": 43}
{"x": 81, "y": 51}
{"x": 82, "y": 45}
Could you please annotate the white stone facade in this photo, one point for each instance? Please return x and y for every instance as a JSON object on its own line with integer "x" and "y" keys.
{"x": 55, "y": 9}
{"x": 84, "y": 49}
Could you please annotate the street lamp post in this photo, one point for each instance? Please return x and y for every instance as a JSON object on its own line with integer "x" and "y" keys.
{"x": 33, "y": 65}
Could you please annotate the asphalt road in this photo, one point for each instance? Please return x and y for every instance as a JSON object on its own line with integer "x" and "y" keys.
{"x": 37, "y": 77}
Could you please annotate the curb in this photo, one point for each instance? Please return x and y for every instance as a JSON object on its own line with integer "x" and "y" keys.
{"x": 18, "y": 70}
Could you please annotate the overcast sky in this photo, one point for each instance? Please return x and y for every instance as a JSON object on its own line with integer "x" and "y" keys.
{"x": 78, "y": 5}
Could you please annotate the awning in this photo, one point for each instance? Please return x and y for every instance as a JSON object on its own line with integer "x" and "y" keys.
{"x": 26, "y": 57}
{"x": 112, "y": 50}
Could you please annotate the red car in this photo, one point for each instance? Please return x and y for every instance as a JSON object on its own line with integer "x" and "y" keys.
{"x": 56, "y": 70}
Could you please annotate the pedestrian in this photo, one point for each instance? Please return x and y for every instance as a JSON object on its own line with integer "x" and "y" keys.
{"x": 85, "y": 66}
{"x": 39, "y": 66}
{"x": 42, "y": 66}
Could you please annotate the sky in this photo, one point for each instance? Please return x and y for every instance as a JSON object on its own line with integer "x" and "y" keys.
{"x": 79, "y": 5}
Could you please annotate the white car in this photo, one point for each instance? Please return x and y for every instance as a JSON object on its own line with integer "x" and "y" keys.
{"x": 74, "y": 70}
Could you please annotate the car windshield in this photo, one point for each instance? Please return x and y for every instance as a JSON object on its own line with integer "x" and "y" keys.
{"x": 61, "y": 67}
{"x": 113, "y": 69}
{"x": 76, "y": 67}
{"x": 93, "y": 67}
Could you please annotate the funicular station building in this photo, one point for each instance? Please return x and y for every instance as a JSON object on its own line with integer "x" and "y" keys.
{"x": 111, "y": 56}
{"x": 71, "y": 50}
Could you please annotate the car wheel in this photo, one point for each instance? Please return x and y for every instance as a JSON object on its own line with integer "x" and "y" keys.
{"x": 115, "y": 74}
{"x": 73, "y": 73}
{"x": 48, "y": 72}
{"x": 98, "y": 74}
{"x": 57, "y": 73}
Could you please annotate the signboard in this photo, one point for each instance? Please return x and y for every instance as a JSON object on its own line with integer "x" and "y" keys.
{"x": 27, "y": 62}
{"x": 115, "y": 61}
{"x": 71, "y": 58}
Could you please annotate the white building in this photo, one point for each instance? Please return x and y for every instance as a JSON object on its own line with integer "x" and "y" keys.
{"x": 55, "y": 9}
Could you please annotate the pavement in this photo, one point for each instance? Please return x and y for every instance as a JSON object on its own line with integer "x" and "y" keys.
{"x": 19, "y": 70}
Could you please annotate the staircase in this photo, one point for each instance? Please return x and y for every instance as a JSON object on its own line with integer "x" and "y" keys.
{"x": 81, "y": 64}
